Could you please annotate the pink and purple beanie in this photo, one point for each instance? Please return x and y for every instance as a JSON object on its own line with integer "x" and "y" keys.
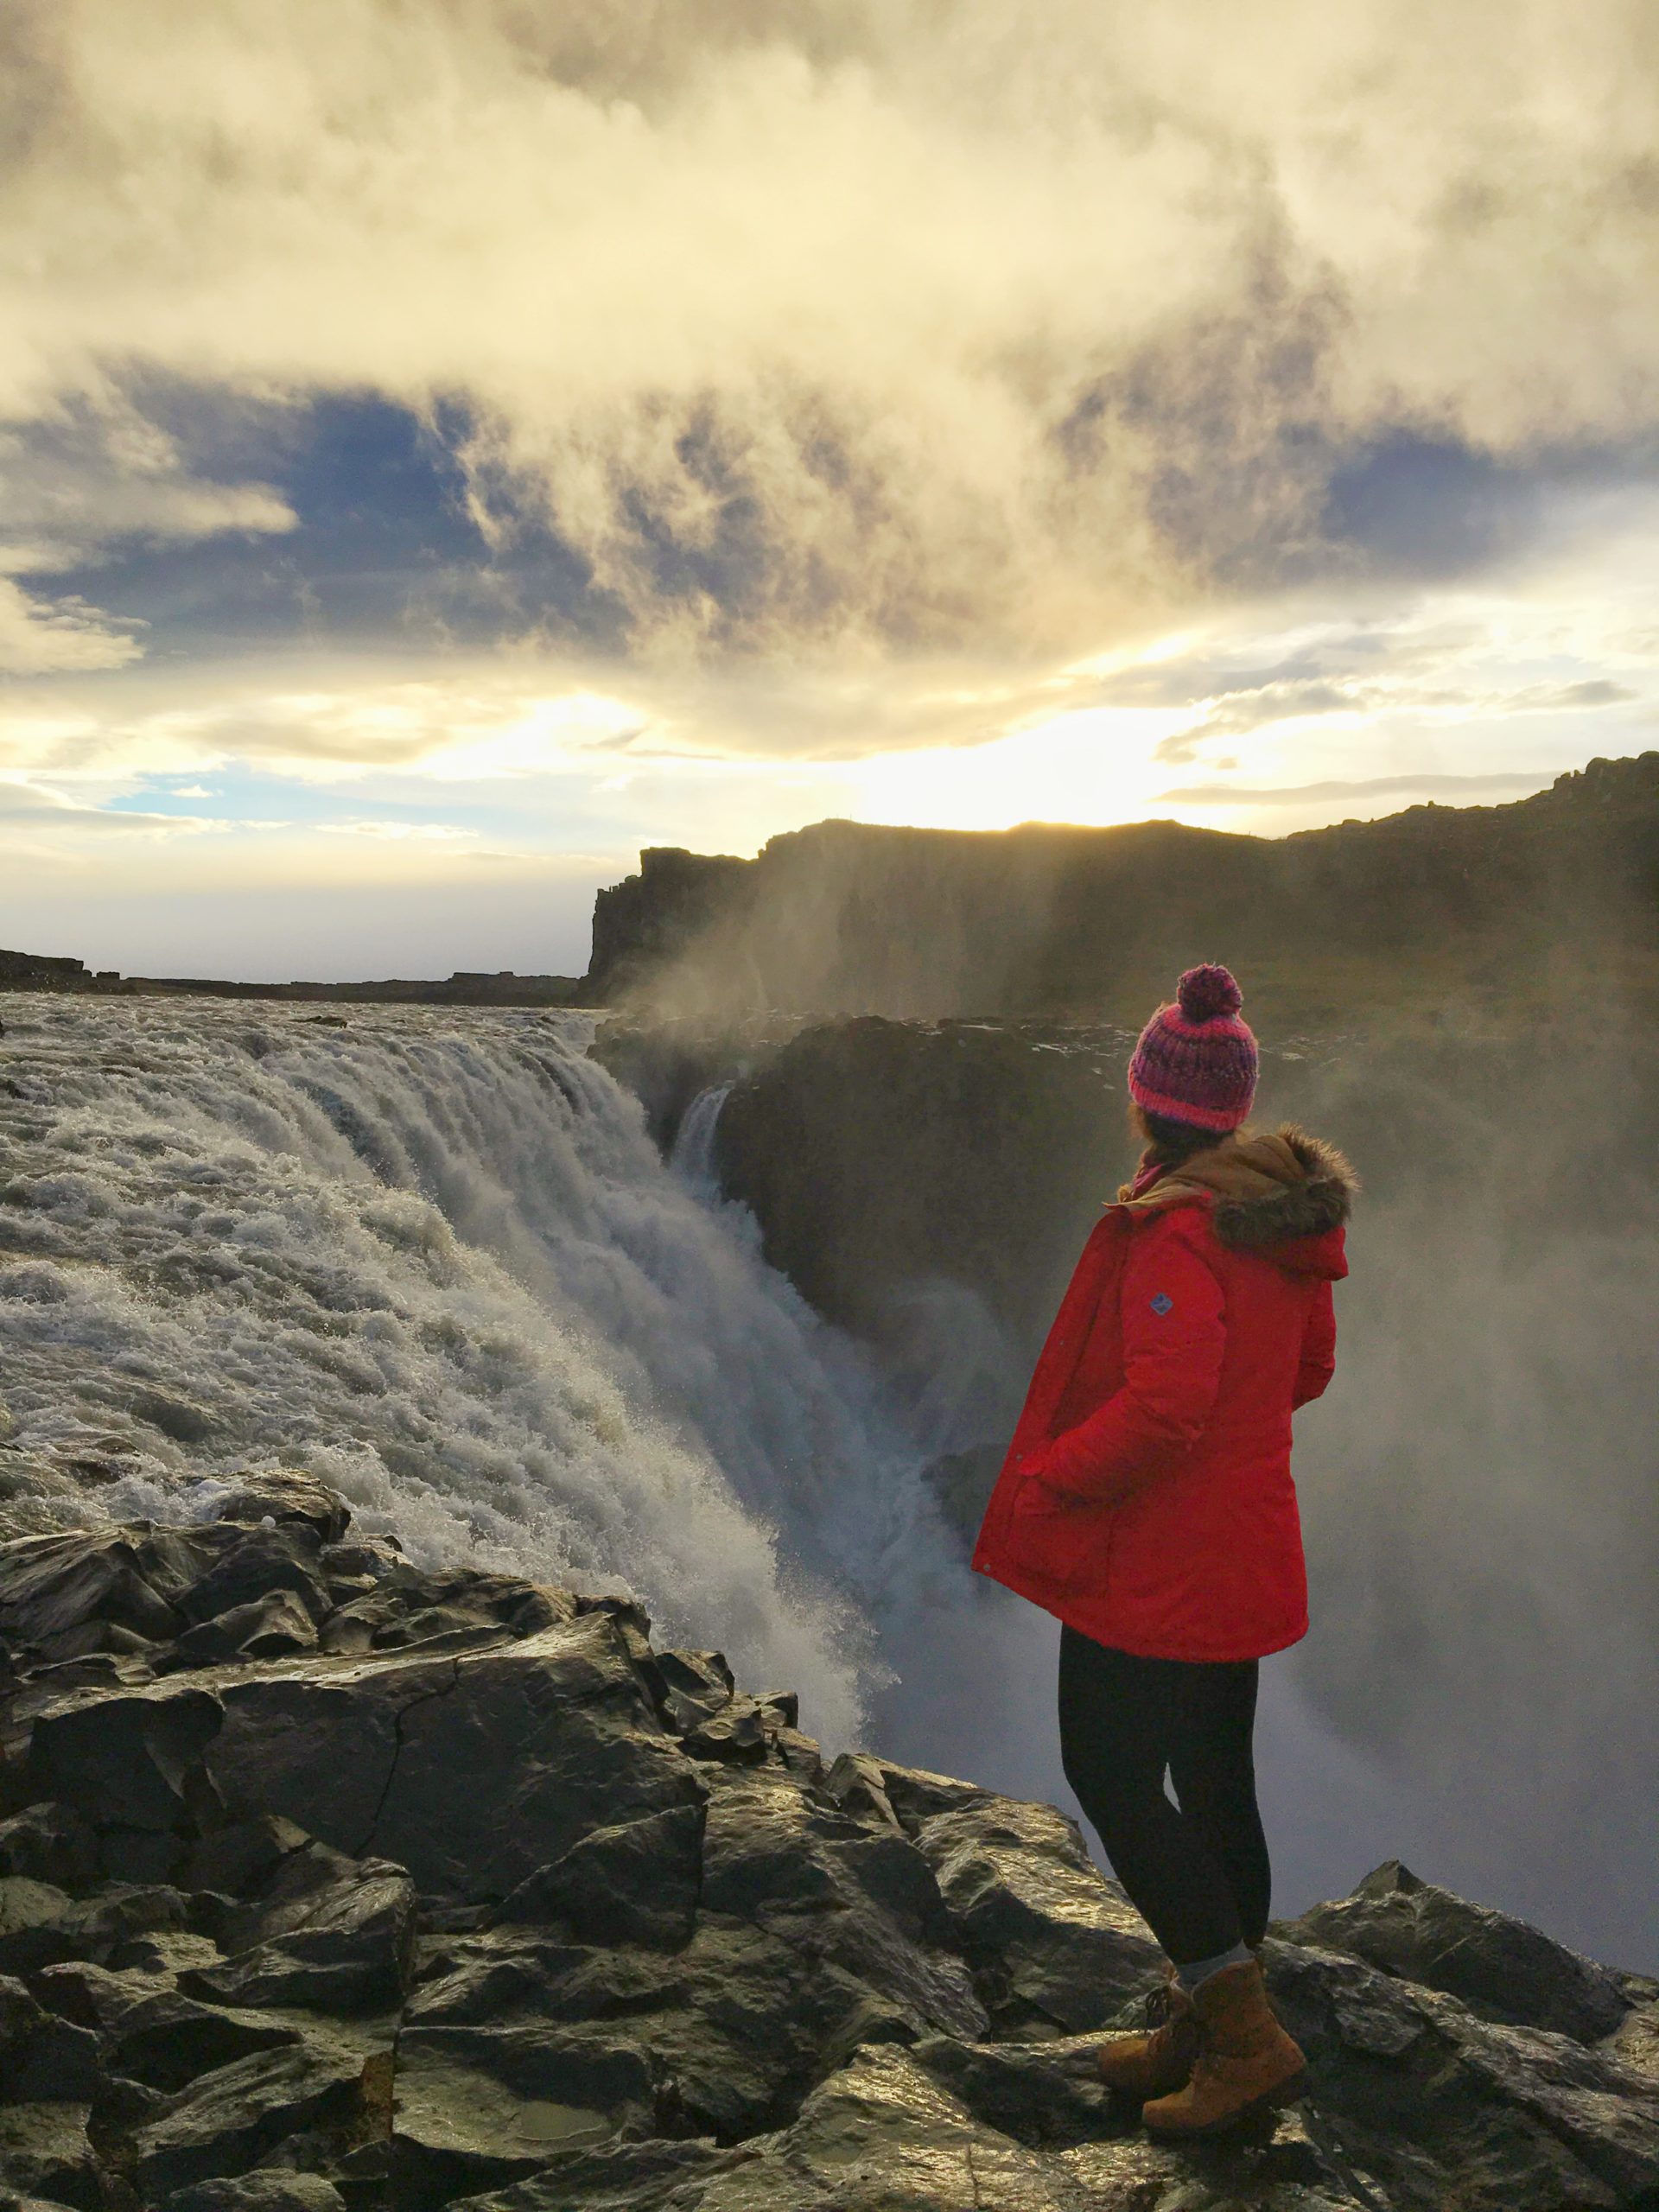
{"x": 1196, "y": 1060}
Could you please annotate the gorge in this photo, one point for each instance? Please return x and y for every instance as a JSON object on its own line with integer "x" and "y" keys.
{"x": 716, "y": 1310}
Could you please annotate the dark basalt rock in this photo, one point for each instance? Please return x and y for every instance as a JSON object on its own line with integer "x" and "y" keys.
{"x": 59, "y": 1594}
{"x": 1054, "y": 1948}
{"x": 478, "y": 2106}
{"x": 148, "y": 2033}
{"x": 615, "y": 2176}
{"x": 45, "y": 2154}
{"x": 335, "y": 1935}
{"x": 281, "y": 1496}
{"x": 267, "y": 2191}
{"x": 42, "y": 2056}
{"x": 636, "y": 1883}
{"x": 232, "y": 2118}
{"x": 1528, "y": 2120}
{"x": 49, "y": 1843}
{"x": 473, "y": 1770}
{"x": 259, "y": 1564}
{"x": 1498, "y": 1966}
{"x": 40, "y": 1926}
{"x": 274, "y": 1626}
{"x": 125, "y": 1763}
{"x": 348, "y": 1886}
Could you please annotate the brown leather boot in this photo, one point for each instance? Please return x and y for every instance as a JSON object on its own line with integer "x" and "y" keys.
{"x": 1246, "y": 2062}
{"x": 1151, "y": 2065}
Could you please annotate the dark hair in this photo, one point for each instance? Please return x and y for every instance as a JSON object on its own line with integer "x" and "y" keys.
{"x": 1171, "y": 1141}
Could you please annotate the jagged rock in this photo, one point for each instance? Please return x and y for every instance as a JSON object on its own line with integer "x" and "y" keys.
{"x": 472, "y": 1771}
{"x": 129, "y": 1765}
{"x": 42, "y": 2056}
{"x": 281, "y": 1496}
{"x": 60, "y": 2063}
{"x": 696, "y": 1684}
{"x": 49, "y": 1843}
{"x": 9, "y": 2200}
{"x": 883, "y": 2132}
{"x": 1044, "y": 2095}
{"x": 737, "y": 1733}
{"x": 799, "y": 1755}
{"x": 668, "y": 1964}
{"x": 733, "y": 2030}
{"x": 1055, "y": 1947}
{"x": 236, "y": 1860}
{"x": 1424, "y": 2090}
{"x": 365, "y": 1560}
{"x": 859, "y": 1787}
{"x": 260, "y": 1562}
{"x": 333, "y": 1934}
{"x": 403, "y": 1607}
{"x": 45, "y": 2153}
{"x": 41, "y": 1926}
{"x": 865, "y": 1903}
{"x": 227, "y": 2121}
{"x": 1635, "y": 2041}
{"x": 54, "y": 1590}
{"x": 637, "y": 1883}
{"x": 272, "y": 1627}
{"x": 461, "y": 2125}
{"x": 1496, "y": 1964}
{"x": 432, "y": 1628}
{"x": 265, "y": 2191}
{"x": 616, "y": 2178}
{"x": 21, "y": 2018}
{"x": 151, "y": 2033}
{"x": 916, "y": 1797}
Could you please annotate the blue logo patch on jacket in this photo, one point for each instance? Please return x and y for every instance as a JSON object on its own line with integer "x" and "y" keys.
{"x": 1162, "y": 1303}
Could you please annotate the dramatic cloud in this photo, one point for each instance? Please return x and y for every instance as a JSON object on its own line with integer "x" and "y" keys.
{"x": 40, "y": 637}
{"x": 866, "y": 331}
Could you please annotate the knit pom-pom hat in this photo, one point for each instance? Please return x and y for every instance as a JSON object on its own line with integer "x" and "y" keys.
{"x": 1196, "y": 1060}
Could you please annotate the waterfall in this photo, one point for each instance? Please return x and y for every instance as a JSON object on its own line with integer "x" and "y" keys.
{"x": 433, "y": 1257}
{"x": 693, "y": 1155}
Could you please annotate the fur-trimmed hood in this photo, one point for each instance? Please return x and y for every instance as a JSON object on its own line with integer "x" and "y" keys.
{"x": 1263, "y": 1189}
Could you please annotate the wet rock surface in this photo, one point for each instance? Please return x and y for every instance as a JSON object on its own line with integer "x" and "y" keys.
{"x": 326, "y": 1883}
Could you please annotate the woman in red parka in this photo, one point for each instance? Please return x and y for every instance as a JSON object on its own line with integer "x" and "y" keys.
{"x": 1146, "y": 1501}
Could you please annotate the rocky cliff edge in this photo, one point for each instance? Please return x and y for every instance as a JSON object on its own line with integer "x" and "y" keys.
{"x": 329, "y": 1882}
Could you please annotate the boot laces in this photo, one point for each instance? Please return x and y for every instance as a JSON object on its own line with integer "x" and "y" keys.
{"x": 1160, "y": 2003}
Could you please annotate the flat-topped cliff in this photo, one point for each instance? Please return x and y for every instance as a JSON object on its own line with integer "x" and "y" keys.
{"x": 1489, "y": 904}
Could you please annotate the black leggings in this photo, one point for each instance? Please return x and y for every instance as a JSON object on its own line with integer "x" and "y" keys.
{"x": 1198, "y": 1877}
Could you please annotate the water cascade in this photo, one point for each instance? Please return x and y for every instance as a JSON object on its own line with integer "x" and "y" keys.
{"x": 435, "y": 1257}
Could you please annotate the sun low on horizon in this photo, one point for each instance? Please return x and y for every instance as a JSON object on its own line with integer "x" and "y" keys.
{"x": 445, "y": 449}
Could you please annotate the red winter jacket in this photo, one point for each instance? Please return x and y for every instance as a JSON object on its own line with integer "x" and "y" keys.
{"x": 1146, "y": 1497}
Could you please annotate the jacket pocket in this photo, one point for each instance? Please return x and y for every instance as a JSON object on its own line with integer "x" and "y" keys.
{"x": 1090, "y": 1574}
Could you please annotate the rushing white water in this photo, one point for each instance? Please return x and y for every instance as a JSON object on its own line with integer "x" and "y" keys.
{"x": 433, "y": 1257}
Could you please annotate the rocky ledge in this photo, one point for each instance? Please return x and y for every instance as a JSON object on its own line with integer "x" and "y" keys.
{"x": 325, "y": 1881}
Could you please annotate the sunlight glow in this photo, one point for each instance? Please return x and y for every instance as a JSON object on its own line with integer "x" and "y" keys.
{"x": 1094, "y": 766}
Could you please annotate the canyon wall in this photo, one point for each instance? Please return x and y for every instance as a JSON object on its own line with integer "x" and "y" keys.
{"x": 1470, "y": 907}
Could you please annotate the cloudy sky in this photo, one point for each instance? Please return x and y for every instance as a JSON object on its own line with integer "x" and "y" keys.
{"x": 447, "y": 444}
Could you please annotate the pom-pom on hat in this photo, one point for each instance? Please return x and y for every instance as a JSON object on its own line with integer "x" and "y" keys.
{"x": 1196, "y": 1061}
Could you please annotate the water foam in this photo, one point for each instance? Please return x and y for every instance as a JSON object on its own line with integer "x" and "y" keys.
{"x": 433, "y": 1257}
